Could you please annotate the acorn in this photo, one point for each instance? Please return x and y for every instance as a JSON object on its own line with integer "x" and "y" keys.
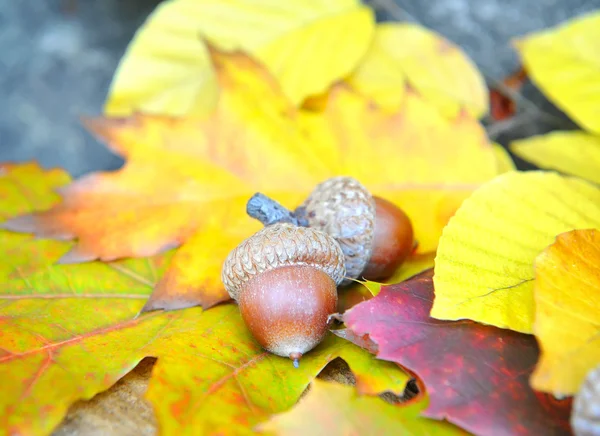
{"x": 284, "y": 279}
{"x": 585, "y": 418}
{"x": 375, "y": 235}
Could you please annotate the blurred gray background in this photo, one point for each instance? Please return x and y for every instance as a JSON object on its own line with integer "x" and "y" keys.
{"x": 57, "y": 58}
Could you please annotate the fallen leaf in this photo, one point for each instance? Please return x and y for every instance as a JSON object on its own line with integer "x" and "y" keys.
{"x": 476, "y": 376}
{"x": 179, "y": 170}
{"x": 567, "y": 298}
{"x": 563, "y": 62}
{"x": 484, "y": 263}
{"x": 404, "y": 54}
{"x": 331, "y": 409}
{"x": 71, "y": 331}
{"x": 166, "y": 69}
{"x": 216, "y": 379}
{"x": 256, "y": 141}
{"x": 576, "y": 153}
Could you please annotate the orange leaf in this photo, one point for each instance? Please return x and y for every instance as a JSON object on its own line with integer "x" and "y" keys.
{"x": 567, "y": 298}
{"x": 184, "y": 174}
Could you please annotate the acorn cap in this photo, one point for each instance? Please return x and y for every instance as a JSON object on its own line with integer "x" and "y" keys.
{"x": 280, "y": 245}
{"x": 343, "y": 208}
{"x": 585, "y": 418}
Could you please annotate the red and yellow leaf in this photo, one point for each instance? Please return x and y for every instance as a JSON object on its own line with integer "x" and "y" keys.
{"x": 476, "y": 376}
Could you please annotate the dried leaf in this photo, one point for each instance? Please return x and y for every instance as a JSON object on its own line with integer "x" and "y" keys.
{"x": 70, "y": 331}
{"x": 484, "y": 264}
{"x": 331, "y": 409}
{"x": 476, "y": 376}
{"x": 405, "y": 54}
{"x": 166, "y": 69}
{"x": 563, "y": 62}
{"x": 567, "y": 298}
{"x": 576, "y": 153}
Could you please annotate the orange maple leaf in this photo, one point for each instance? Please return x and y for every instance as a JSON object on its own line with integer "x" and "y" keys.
{"x": 187, "y": 179}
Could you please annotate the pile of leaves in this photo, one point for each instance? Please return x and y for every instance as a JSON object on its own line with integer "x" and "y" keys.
{"x": 215, "y": 101}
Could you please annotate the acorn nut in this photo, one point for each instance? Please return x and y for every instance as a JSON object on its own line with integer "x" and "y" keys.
{"x": 375, "y": 235}
{"x": 284, "y": 279}
{"x": 585, "y": 418}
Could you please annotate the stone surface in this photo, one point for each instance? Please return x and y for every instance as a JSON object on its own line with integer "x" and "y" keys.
{"x": 56, "y": 61}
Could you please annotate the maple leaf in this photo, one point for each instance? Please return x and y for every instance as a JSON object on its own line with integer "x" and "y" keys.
{"x": 576, "y": 153}
{"x": 567, "y": 297}
{"x": 71, "y": 331}
{"x": 406, "y": 54}
{"x": 334, "y": 409}
{"x": 563, "y": 62}
{"x": 167, "y": 70}
{"x": 421, "y": 160}
{"x": 484, "y": 263}
{"x": 476, "y": 376}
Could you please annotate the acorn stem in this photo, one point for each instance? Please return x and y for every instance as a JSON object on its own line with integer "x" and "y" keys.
{"x": 268, "y": 211}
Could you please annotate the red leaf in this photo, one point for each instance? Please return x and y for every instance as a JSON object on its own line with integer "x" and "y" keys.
{"x": 501, "y": 105}
{"x": 477, "y": 376}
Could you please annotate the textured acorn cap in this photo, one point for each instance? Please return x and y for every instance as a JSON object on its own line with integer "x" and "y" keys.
{"x": 343, "y": 208}
{"x": 585, "y": 418}
{"x": 281, "y": 245}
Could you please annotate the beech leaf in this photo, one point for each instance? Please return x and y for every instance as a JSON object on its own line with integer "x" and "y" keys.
{"x": 484, "y": 263}
{"x": 563, "y": 62}
{"x": 575, "y": 153}
{"x": 476, "y": 376}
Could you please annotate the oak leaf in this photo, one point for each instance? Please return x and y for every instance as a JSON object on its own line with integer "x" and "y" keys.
{"x": 575, "y": 153}
{"x": 563, "y": 62}
{"x": 476, "y": 376}
{"x": 484, "y": 263}
{"x": 167, "y": 69}
{"x": 567, "y": 298}
{"x": 71, "y": 331}
{"x": 331, "y": 409}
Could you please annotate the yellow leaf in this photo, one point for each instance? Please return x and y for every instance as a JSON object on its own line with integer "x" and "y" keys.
{"x": 504, "y": 162}
{"x": 308, "y": 59}
{"x": 166, "y": 69}
{"x": 576, "y": 153}
{"x": 484, "y": 262}
{"x": 567, "y": 321}
{"x": 415, "y": 264}
{"x": 565, "y": 63}
{"x": 332, "y": 409}
{"x": 408, "y": 54}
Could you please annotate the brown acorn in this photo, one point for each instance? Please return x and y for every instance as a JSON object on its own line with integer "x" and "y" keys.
{"x": 375, "y": 235}
{"x": 585, "y": 418}
{"x": 284, "y": 279}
